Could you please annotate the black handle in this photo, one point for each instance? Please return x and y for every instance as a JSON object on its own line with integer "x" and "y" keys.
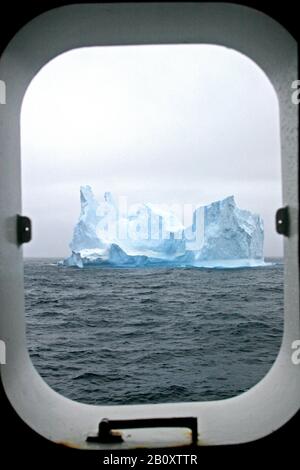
{"x": 108, "y": 428}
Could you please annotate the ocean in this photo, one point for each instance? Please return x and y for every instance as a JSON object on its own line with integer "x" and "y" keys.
{"x": 152, "y": 335}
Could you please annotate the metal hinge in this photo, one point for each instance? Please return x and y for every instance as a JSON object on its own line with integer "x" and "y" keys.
{"x": 283, "y": 221}
{"x": 23, "y": 229}
{"x": 108, "y": 430}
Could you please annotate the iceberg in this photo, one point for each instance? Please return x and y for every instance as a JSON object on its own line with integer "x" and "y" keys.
{"x": 219, "y": 235}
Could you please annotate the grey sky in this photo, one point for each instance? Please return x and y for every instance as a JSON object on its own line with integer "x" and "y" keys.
{"x": 184, "y": 124}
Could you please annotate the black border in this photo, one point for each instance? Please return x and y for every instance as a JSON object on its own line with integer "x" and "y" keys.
{"x": 19, "y": 444}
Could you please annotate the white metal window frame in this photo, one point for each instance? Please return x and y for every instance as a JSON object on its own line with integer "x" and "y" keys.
{"x": 276, "y": 398}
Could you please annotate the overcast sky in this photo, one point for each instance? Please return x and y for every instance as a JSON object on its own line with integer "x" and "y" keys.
{"x": 170, "y": 124}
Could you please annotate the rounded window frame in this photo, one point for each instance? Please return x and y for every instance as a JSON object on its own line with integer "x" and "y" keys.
{"x": 275, "y": 399}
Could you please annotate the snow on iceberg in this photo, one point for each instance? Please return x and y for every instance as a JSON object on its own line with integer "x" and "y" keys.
{"x": 219, "y": 235}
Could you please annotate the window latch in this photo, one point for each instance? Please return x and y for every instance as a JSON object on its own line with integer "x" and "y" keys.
{"x": 283, "y": 221}
{"x": 23, "y": 229}
{"x": 108, "y": 431}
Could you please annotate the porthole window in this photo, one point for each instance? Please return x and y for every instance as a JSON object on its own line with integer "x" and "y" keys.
{"x": 272, "y": 51}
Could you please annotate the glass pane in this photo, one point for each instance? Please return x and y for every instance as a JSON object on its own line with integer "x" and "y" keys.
{"x": 160, "y": 166}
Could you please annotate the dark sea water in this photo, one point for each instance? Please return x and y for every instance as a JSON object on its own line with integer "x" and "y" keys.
{"x": 116, "y": 336}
